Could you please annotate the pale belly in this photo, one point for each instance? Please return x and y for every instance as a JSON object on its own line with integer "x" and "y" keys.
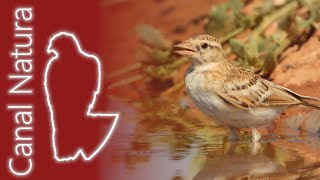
{"x": 227, "y": 115}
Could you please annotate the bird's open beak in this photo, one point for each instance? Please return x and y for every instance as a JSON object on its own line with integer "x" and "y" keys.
{"x": 184, "y": 49}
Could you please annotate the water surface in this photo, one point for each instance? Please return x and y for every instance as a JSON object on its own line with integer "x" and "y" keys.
{"x": 167, "y": 147}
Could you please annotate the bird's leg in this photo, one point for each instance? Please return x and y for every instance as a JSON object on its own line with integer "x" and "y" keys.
{"x": 234, "y": 134}
{"x": 255, "y": 135}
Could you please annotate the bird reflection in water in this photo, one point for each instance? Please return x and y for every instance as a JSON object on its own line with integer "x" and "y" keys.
{"x": 240, "y": 166}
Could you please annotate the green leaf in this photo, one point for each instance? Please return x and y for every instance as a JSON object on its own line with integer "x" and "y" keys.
{"x": 237, "y": 47}
{"x": 285, "y": 23}
{"x": 219, "y": 14}
{"x": 252, "y": 48}
{"x": 161, "y": 56}
{"x": 279, "y": 36}
{"x": 152, "y": 36}
{"x": 218, "y": 20}
{"x": 265, "y": 7}
{"x": 235, "y": 5}
{"x": 269, "y": 63}
{"x": 302, "y": 23}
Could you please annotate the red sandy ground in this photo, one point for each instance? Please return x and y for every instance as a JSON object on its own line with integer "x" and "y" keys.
{"x": 300, "y": 71}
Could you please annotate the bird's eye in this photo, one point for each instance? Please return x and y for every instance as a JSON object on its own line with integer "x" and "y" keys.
{"x": 204, "y": 45}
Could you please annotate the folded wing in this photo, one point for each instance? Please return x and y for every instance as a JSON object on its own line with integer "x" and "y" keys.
{"x": 246, "y": 90}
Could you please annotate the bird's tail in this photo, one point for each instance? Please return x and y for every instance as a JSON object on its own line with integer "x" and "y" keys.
{"x": 305, "y": 100}
{"x": 310, "y": 101}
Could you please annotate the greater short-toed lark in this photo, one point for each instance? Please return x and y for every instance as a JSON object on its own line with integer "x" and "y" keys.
{"x": 231, "y": 95}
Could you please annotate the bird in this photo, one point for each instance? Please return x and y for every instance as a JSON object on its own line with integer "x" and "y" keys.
{"x": 231, "y": 95}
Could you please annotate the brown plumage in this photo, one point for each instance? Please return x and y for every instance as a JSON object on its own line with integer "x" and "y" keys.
{"x": 259, "y": 92}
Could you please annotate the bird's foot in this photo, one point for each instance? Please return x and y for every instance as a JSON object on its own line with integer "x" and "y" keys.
{"x": 256, "y": 137}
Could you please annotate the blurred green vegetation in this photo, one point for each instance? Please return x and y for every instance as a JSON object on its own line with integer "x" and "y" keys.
{"x": 256, "y": 33}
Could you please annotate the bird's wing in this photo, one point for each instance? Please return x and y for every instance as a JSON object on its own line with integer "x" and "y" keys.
{"x": 245, "y": 90}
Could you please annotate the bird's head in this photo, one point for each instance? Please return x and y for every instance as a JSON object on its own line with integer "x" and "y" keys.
{"x": 201, "y": 49}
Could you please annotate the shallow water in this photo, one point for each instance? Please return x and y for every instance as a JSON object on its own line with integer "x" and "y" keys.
{"x": 165, "y": 148}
